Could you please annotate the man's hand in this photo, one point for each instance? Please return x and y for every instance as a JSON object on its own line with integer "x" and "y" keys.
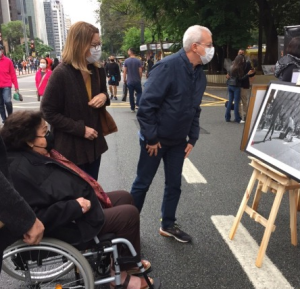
{"x": 188, "y": 150}
{"x": 90, "y": 133}
{"x": 153, "y": 149}
{"x": 98, "y": 100}
{"x": 35, "y": 233}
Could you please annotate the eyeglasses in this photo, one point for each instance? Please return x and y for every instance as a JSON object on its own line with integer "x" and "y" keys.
{"x": 207, "y": 45}
{"x": 96, "y": 46}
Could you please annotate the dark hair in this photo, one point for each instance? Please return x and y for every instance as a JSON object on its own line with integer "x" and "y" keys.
{"x": 47, "y": 55}
{"x": 44, "y": 59}
{"x": 293, "y": 47}
{"x": 20, "y": 128}
{"x": 132, "y": 50}
{"x": 238, "y": 66}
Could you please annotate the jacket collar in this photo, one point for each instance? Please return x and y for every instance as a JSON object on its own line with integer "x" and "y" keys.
{"x": 189, "y": 66}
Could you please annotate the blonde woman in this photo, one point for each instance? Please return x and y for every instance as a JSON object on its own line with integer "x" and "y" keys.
{"x": 75, "y": 94}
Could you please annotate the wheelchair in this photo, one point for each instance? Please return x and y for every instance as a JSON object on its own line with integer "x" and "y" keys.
{"x": 58, "y": 265}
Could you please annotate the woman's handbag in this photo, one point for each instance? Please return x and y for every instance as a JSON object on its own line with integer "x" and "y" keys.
{"x": 107, "y": 122}
{"x": 18, "y": 96}
{"x": 232, "y": 105}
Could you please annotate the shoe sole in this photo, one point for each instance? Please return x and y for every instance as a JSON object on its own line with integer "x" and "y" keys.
{"x": 166, "y": 234}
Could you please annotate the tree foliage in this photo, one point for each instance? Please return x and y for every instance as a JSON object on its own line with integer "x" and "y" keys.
{"x": 132, "y": 38}
{"x": 13, "y": 33}
{"x": 234, "y": 24}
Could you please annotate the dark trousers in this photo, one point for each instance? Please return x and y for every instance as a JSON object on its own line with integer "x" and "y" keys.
{"x": 123, "y": 220}
{"x": 92, "y": 168}
{"x": 134, "y": 86}
{"x": 173, "y": 158}
{"x": 5, "y": 102}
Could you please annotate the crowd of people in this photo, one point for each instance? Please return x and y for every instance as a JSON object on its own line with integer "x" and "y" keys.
{"x": 74, "y": 96}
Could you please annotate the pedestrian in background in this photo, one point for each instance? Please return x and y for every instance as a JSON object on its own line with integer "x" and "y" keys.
{"x": 114, "y": 76}
{"x": 150, "y": 64}
{"x": 49, "y": 60}
{"x": 235, "y": 77}
{"x": 55, "y": 63}
{"x": 245, "y": 85}
{"x": 16, "y": 217}
{"x": 74, "y": 98}
{"x": 168, "y": 115}
{"x": 132, "y": 76}
{"x": 7, "y": 78}
{"x": 285, "y": 65}
{"x": 41, "y": 78}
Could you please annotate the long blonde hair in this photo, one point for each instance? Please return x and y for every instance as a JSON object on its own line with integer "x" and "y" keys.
{"x": 78, "y": 44}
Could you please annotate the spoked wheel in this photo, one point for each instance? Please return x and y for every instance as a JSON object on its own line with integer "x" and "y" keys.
{"x": 48, "y": 265}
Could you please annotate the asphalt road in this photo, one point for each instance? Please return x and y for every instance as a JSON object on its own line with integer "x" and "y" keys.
{"x": 208, "y": 262}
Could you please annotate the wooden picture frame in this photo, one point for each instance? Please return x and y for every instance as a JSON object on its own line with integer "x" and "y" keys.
{"x": 256, "y": 97}
{"x": 275, "y": 135}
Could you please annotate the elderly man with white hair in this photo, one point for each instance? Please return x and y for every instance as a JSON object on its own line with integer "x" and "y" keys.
{"x": 168, "y": 115}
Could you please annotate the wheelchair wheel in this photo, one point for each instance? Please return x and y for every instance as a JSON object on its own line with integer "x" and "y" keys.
{"x": 47, "y": 265}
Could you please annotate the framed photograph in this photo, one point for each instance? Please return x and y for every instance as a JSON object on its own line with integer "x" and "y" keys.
{"x": 258, "y": 92}
{"x": 275, "y": 136}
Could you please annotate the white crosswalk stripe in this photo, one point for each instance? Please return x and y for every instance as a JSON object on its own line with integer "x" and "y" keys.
{"x": 245, "y": 249}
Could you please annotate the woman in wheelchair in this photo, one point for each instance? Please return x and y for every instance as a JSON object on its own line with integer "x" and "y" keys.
{"x": 72, "y": 206}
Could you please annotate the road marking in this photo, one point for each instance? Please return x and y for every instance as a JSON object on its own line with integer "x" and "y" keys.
{"x": 245, "y": 249}
{"x": 191, "y": 174}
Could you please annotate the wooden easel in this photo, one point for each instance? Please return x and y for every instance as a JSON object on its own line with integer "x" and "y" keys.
{"x": 269, "y": 180}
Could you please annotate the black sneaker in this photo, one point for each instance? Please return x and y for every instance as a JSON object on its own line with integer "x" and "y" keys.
{"x": 111, "y": 97}
{"x": 175, "y": 232}
{"x": 115, "y": 98}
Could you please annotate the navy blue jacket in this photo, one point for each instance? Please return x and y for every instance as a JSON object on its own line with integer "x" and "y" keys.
{"x": 169, "y": 108}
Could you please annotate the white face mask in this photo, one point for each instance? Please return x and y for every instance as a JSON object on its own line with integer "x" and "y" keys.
{"x": 95, "y": 55}
{"x": 1, "y": 53}
{"x": 42, "y": 65}
{"x": 209, "y": 54}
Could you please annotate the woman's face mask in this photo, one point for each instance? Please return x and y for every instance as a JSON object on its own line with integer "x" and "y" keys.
{"x": 49, "y": 141}
{"x": 43, "y": 65}
{"x": 95, "y": 55}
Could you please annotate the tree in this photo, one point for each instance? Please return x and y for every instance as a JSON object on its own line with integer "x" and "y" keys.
{"x": 132, "y": 39}
{"x": 13, "y": 33}
{"x": 116, "y": 17}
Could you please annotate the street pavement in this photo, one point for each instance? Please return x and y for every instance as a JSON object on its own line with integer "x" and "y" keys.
{"x": 206, "y": 208}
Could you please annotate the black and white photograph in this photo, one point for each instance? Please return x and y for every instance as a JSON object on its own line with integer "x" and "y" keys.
{"x": 275, "y": 137}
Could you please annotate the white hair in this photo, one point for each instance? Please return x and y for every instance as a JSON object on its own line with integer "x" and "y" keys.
{"x": 193, "y": 34}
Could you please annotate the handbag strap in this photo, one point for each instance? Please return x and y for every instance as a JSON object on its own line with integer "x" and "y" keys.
{"x": 42, "y": 79}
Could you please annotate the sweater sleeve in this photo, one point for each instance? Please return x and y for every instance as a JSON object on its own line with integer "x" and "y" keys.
{"x": 15, "y": 213}
{"x": 156, "y": 88}
{"x": 53, "y": 105}
{"x": 13, "y": 75}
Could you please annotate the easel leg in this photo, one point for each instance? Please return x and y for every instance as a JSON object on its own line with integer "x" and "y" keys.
{"x": 293, "y": 196}
{"x": 243, "y": 205}
{"x": 268, "y": 230}
{"x": 298, "y": 200}
{"x": 257, "y": 196}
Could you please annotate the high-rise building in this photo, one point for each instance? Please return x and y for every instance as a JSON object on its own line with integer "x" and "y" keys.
{"x": 49, "y": 23}
{"x": 34, "y": 11}
{"x": 8, "y": 11}
{"x": 68, "y": 23}
{"x": 57, "y": 33}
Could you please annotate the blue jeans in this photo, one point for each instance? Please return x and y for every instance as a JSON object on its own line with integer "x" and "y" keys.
{"x": 173, "y": 157}
{"x": 234, "y": 94}
{"x": 134, "y": 86}
{"x": 92, "y": 168}
{"x": 5, "y": 102}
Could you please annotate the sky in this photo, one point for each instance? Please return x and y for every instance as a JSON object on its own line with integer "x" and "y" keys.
{"x": 81, "y": 10}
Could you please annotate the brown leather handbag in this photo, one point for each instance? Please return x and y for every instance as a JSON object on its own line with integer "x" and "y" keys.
{"x": 107, "y": 122}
